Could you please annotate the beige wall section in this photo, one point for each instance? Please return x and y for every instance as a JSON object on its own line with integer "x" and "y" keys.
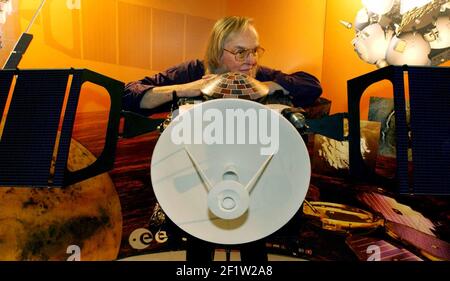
{"x": 127, "y": 39}
{"x": 122, "y": 39}
{"x": 212, "y": 9}
{"x": 167, "y": 39}
{"x": 99, "y": 34}
{"x": 197, "y": 33}
{"x": 135, "y": 30}
{"x": 291, "y": 31}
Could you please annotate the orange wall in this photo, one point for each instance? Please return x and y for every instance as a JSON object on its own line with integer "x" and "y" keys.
{"x": 128, "y": 39}
{"x": 122, "y": 39}
{"x": 291, "y": 31}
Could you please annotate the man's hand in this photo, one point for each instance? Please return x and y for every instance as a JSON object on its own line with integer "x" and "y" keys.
{"x": 193, "y": 89}
{"x": 160, "y": 95}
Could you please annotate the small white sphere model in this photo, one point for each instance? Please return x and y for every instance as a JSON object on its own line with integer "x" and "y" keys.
{"x": 379, "y": 7}
{"x": 410, "y": 48}
{"x": 371, "y": 43}
{"x": 443, "y": 37}
{"x": 361, "y": 19}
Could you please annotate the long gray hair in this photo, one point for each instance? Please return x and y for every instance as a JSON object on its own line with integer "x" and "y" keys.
{"x": 222, "y": 29}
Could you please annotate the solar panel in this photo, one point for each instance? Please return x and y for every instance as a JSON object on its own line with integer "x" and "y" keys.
{"x": 430, "y": 129}
{"x": 429, "y": 135}
{"x": 32, "y": 153}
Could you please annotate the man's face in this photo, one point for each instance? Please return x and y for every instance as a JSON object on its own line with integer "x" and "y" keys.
{"x": 238, "y": 42}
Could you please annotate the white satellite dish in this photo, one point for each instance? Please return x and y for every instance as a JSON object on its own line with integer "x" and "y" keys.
{"x": 226, "y": 191}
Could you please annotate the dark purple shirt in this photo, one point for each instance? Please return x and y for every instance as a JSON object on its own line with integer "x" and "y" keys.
{"x": 303, "y": 88}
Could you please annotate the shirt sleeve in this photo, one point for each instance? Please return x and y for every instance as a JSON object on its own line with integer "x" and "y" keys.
{"x": 179, "y": 74}
{"x": 303, "y": 87}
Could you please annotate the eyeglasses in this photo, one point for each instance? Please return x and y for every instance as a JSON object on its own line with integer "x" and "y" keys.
{"x": 243, "y": 54}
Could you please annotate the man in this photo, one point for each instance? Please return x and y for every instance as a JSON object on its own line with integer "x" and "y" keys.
{"x": 233, "y": 47}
